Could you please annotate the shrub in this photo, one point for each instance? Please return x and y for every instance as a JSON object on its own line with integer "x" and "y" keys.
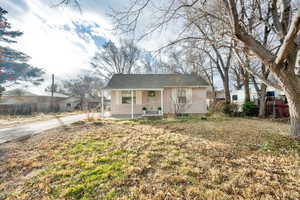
{"x": 250, "y": 109}
{"x": 221, "y": 107}
{"x": 230, "y": 109}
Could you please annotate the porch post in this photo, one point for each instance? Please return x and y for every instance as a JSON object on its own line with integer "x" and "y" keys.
{"x": 102, "y": 103}
{"x": 131, "y": 104}
{"x": 162, "y": 101}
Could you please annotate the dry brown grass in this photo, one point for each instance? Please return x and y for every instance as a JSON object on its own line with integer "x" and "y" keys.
{"x": 221, "y": 158}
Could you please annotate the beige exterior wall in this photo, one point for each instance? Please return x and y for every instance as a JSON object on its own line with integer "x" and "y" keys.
{"x": 197, "y": 105}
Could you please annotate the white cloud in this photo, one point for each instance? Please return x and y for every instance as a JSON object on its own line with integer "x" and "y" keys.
{"x": 51, "y": 36}
{"x": 53, "y": 47}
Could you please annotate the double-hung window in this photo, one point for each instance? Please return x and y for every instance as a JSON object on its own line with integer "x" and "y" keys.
{"x": 126, "y": 97}
{"x": 182, "y": 95}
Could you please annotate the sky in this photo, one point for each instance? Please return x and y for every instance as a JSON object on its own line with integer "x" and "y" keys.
{"x": 59, "y": 40}
{"x": 63, "y": 40}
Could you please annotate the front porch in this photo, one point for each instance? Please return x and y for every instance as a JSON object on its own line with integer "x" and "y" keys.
{"x": 137, "y": 102}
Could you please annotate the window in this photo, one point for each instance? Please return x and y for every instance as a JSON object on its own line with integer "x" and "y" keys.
{"x": 270, "y": 94}
{"x": 151, "y": 94}
{"x": 234, "y": 97}
{"x": 126, "y": 97}
{"x": 181, "y": 96}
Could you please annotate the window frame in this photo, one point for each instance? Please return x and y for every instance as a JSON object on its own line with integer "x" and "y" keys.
{"x": 235, "y": 97}
{"x": 151, "y": 93}
{"x": 127, "y": 95}
{"x": 180, "y": 96}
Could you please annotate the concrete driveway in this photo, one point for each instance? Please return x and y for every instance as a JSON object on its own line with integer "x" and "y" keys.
{"x": 26, "y": 130}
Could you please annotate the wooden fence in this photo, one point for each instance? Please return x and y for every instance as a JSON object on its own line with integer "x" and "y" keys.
{"x": 18, "y": 109}
{"x": 277, "y": 108}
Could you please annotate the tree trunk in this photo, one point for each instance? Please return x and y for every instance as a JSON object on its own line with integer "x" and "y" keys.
{"x": 246, "y": 86}
{"x": 291, "y": 86}
{"x": 227, "y": 92}
{"x": 213, "y": 93}
{"x": 294, "y": 108}
{"x": 262, "y": 101}
{"x": 226, "y": 87}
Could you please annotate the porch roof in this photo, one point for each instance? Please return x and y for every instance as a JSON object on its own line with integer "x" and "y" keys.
{"x": 154, "y": 81}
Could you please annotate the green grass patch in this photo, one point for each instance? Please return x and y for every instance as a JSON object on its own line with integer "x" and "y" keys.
{"x": 184, "y": 119}
{"x": 88, "y": 170}
{"x": 279, "y": 143}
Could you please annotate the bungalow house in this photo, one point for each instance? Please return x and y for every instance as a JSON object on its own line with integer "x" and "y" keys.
{"x": 135, "y": 95}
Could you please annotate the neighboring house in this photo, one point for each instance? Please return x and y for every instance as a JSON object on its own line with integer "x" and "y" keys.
{"x": 41, "y": 102}
{"x": 69, "y": 104}
{"x": 238, "y": 96}
{"x": 89, "y": 103}
{"x": 156, "y": 94}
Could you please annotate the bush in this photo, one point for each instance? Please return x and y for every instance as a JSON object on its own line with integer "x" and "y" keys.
{"x": 230, "y": 109}
{"x": 221, "y": 107}
{"x": 250, "y": 109}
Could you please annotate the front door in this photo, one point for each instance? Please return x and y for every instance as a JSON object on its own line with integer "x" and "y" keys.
{"x": 151, "y": 101}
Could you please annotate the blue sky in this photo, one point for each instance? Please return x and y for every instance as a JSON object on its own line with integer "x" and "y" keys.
{"x": 60, "y": 40}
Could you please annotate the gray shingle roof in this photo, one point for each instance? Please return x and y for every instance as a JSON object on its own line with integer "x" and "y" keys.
{"x": 25, "y": 93}
{"x": 151, "y": 81}
{"x": 18, "y": 92}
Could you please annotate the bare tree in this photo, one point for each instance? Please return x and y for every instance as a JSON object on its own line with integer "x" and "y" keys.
{"x": 198, "y": 64}
{"x": 286, "y": 22}
{"x": 153, "y": 64}
{"x": 116, "y": 59}
{"x": 229, "y": 16}
{"x": 72, "y": 3}
{"x": 180, "y": 100}
{"x": 84, "y": 86}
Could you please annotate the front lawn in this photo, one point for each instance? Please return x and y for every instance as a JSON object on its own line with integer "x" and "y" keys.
{"x": 217, "y": 158}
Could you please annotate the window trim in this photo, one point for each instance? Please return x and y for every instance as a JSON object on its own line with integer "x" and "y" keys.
{"x": 128, "y": 93}
{"x": 235, "y": 99}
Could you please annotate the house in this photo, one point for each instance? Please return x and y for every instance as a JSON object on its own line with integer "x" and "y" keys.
{"x": 156, "y": 94}
{"x": 276, "y": 102}
{"x": 38, "y": 102}
{"x": 238, "y": 96}
{"x": 69, "y": 104}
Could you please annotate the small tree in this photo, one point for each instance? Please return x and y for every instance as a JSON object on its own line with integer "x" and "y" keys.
{"x": 84, "y": 86}
{"x": 181, "y": 101}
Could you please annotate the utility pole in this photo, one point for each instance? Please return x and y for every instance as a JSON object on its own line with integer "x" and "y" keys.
{"x": 52, "y": 94}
